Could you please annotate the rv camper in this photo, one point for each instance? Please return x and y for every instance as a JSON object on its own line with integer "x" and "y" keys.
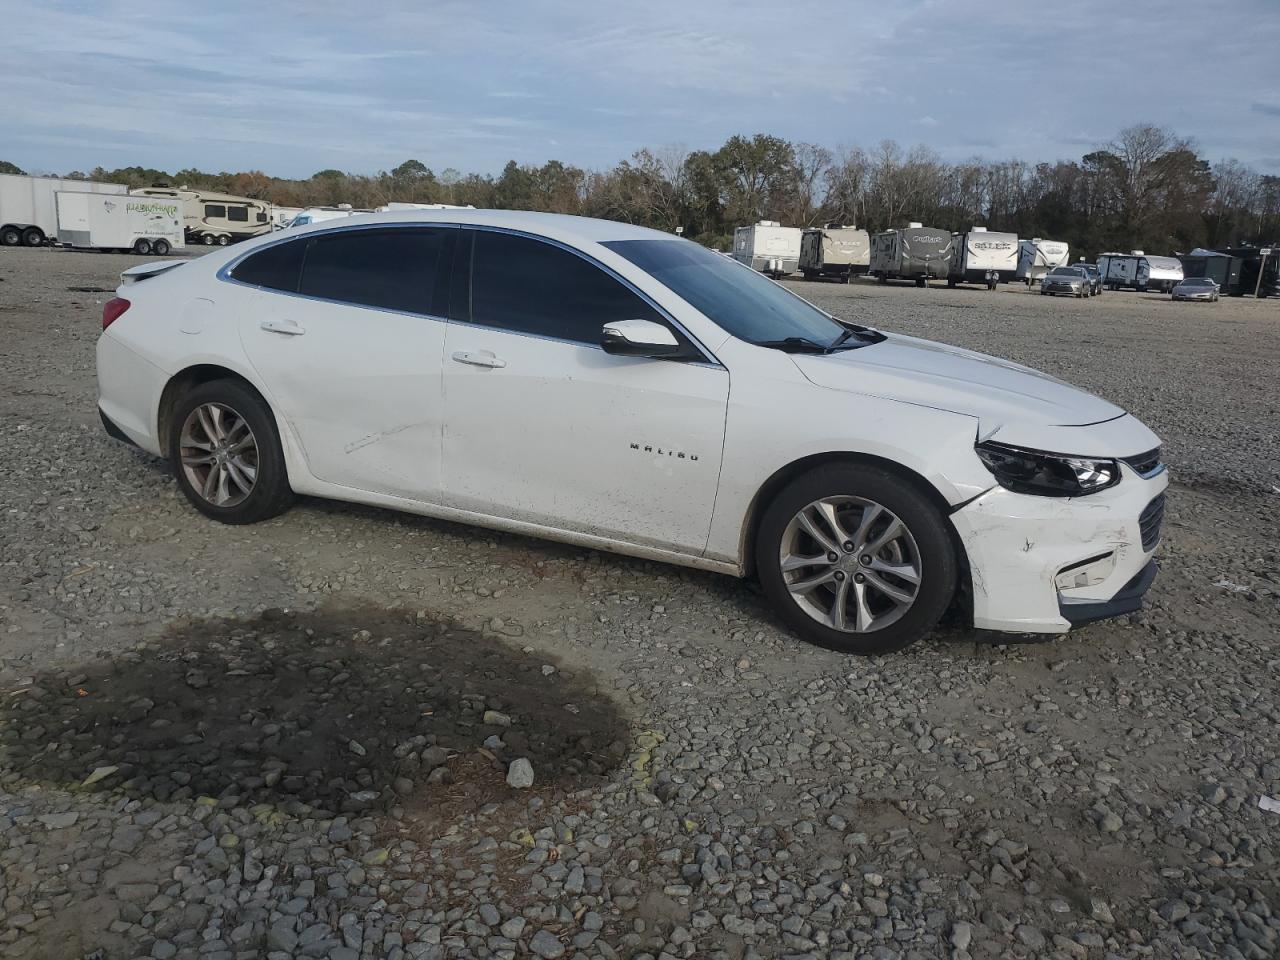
{"x": 1037, "y": 257}
{"x": 1163, "y": 273}
{"x": 834, "y": 251}
{"x": 281, "y": 217}
{"x": 103, "y": 221}
{"x": 982, "y": 256}
{"x": 29, "y": 208}
{"x": 321, "y": 214}
{"x": 768, "y": 246}
{"x": 1139, "y": 271}
{"x": 215, "y": 218}
{"x": 916, "y": 253}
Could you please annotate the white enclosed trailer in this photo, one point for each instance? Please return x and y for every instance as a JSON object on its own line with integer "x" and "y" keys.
{"x": 984, "y": 256}
{"x": 1036, "y": 257}
{"x": 768, "y": 246}
{"x": 29, "y": 211}
{"x": 834, "y": 251}
{"x": 281, "y": 217}
{"x": 95, "y": 221}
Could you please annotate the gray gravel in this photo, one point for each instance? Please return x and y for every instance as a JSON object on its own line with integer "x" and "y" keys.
{"x": 295, "y": 739}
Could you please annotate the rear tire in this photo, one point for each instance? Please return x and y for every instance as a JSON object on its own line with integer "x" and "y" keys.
{"x": 924, "y": 549}
{"x": 142, "y": 246}
{"x": 196, "y": 451}
{"x": 208, "y": 239}
{"x": 10, "y": 237}
{"x": 160, "y": 248}
{"x": 223, "y": 239}
{"x": 33, "y": 237}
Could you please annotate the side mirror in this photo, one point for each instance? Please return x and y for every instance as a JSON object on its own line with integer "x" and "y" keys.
{"x": 638, "y": 338}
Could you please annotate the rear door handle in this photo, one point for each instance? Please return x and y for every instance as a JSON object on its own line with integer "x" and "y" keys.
{"x": 290, "y": 327}
{"x": 479, "y": 358}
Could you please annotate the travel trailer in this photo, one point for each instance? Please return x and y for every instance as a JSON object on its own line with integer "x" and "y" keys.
{"x": 321, "y": 214}
{"x": 215, "y": 218}
{"x": 915, "y": 252}
{"x": 769, "y": 247}
{"x": 29, "y": 208}
{"x": 104, "y": 221}
{"x": 982, "y": 256}
{"x": 1037, "y": 257}
{"x": 1163, "y": 273}
{"x": 281, "y": 217}
{"x": 1139, "y": 271}
{"x": 403, "y": 205}
{"x": 834, "y": 251}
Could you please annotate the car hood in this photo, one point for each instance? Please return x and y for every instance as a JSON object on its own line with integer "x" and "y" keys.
{"x": 1005, "y": 397}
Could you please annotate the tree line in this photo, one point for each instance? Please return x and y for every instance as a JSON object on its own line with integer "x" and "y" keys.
{"x": 1147, "y": 189}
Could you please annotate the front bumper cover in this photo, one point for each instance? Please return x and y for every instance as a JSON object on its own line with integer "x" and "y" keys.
{"x": 1018, "y": 546}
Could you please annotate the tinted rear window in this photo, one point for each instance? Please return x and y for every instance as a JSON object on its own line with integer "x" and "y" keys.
{"x": 392, "y": 269}
{"x": 276, "y": 268}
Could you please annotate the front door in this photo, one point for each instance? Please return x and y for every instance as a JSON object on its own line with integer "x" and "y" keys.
{"x": 352, "y": 359}
{"x": 543, "y": 426}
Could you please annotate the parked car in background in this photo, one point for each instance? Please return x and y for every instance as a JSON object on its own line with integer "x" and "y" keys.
{"x": 1070, "y": 280}
{"x": 620, "y": 388}
{"x": 1195, "y": 288}
{"x": 1095, "y": 277}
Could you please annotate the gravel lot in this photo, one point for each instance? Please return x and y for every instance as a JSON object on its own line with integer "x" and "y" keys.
{"x": 292, "y": 740}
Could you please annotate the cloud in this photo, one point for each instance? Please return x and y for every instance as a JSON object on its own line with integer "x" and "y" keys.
{"x": 296, "y": 85}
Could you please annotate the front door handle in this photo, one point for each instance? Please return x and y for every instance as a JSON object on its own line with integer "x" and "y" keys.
{"x": 289, "y": 327}
{"x": 479, "y": 358}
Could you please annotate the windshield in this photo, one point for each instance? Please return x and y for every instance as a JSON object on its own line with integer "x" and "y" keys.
{"x": 739, "y": 300}
{"x": 1064, "y": 272}
{"x": 1197, "y": 282}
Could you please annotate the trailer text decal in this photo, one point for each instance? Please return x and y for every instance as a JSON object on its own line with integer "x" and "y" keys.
{"x": 169, "y": 209}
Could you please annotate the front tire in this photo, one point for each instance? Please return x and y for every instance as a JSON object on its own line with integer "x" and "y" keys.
{"x": 856, "y": 558}
{"x": 10, "y": 237}
{"x": 33, "y": 237}
{"x": 226, "y": 454}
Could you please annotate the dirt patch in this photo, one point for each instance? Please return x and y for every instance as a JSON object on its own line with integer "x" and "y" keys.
{"x": 344, "y": 710}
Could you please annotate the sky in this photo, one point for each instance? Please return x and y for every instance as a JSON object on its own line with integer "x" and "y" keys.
{"x": 290, "y": 87}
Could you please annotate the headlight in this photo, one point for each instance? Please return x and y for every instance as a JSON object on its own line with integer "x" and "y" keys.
{"x": 1047, "y": 474}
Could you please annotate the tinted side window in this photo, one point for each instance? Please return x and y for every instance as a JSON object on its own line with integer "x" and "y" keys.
{"x": 277, "y": 267}
{"x": 533, "y": 287}
{"x": 214, "y": 211}
{"x": 395, "y": 269}
{"x": 238, "y": 213}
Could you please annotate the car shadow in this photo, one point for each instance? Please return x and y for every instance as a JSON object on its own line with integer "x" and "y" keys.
{"x": 345, "y": 710}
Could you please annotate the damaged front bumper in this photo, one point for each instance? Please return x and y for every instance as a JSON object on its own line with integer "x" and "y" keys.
{"x": 1048, "y": 564}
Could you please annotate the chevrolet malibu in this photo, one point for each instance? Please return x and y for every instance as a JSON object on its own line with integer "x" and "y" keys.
{"x": 623, "y": 389}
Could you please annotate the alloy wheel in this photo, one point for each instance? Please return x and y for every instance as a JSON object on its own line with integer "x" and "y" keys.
{"x": 219, "y": 454}
{"x": 850, "y": 563}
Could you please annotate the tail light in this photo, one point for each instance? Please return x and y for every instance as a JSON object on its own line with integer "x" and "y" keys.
{"x": 112, "y": 309}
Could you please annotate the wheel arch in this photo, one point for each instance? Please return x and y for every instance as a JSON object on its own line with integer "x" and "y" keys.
{"x": 188, "y": 379}
{"x": 797, "y": 468}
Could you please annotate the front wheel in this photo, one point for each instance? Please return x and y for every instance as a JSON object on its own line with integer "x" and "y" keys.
{"x": 226, "y": 454}
{"x": 856, "y": 558}
{"x": 33, "y": 237}
{"x": 10, "y": 236}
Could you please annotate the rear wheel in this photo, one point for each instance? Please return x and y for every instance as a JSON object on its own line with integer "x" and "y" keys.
{"x": 223, "y": 239}
{"x": 208, "y": 239}
{"x": 160, "y": 248}
{"x": 33, "y": 237}
{"x": 10, "y": 236}
{"x": 142, "y": 246}
{"x": 856, "y": 558}
{"x": 226, "y": 454}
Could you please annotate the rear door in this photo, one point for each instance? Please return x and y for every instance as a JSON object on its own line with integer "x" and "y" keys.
{"x": 347, "y": 333}
{"x": 543, "y": 426}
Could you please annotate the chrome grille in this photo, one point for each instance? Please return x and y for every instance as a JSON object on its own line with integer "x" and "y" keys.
{"x": 1149, "y": 522}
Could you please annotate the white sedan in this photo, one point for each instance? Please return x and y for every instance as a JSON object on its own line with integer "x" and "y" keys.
{"x": 619, "y": 388}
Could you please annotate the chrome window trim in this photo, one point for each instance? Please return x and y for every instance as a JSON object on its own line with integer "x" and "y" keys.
{"x": 710, "y": 358}
{"x": 225, "y": 275}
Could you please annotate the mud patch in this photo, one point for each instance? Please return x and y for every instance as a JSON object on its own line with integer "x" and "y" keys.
{"x": 345, "y": 710}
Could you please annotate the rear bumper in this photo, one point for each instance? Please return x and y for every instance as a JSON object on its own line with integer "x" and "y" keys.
{"x": 113, "y": 430}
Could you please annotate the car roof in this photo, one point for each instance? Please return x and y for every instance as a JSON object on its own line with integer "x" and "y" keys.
{"x": 556, "y": 226}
